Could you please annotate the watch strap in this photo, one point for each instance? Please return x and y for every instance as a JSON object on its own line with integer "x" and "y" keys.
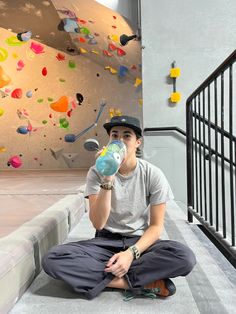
{"x": 107, "y": 185}
{"x": 135, "y": 251}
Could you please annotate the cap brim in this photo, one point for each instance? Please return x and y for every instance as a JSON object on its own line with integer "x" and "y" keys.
{"x": 110, "y": 125}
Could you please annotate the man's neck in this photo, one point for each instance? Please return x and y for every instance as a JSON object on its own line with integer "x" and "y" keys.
{"x": 128, "y": 166}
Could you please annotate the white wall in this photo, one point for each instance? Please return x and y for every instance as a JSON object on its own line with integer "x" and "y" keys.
{"x": 198, "y": 35}
{"x": 126, "y": 8}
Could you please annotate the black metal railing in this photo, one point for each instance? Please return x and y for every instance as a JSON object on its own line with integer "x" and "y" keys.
{"x": 211, "y": 156}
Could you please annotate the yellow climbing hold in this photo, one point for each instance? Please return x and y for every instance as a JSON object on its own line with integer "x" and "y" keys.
{"x": 138, "y": 81}
{"x": 1, "y": 112}
{"x": 114, "y": 38}
{"x": 140, "y": 101}
{"x": 95, "y": 52}
{"x": 15, "y": 55}
{"x": 3, "y": 54}
{"x": 14, "y": 41}
{"x": 112, "y": 70}
{"x": 82, "y": 50}
{"x": 3, "y": 149}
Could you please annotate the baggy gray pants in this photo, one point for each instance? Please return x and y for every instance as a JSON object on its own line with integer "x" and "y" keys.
{"x": 81, "y": 264}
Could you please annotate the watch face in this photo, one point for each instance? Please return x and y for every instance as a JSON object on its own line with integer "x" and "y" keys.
{"x": 107, "y": 185}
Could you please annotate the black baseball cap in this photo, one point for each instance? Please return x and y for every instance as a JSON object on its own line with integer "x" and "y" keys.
{"x": 130, "y": 122}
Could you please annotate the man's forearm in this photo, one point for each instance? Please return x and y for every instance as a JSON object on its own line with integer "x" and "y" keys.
{"x": 101, "y": 209}
{"x": 150, "y": 236}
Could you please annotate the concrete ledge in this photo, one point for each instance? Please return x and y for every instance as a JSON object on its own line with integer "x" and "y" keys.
{"x": 21, "y": 252}
{"x": 44, "y": 231}
{"x": 74, "y": 205}
{"x": 17, "y": 270}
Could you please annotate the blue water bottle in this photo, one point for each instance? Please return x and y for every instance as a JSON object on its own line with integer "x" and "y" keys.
{"x": 110, "y": 159}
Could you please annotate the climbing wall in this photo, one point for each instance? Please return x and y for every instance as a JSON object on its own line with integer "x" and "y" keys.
{"x": 63, "y": 74}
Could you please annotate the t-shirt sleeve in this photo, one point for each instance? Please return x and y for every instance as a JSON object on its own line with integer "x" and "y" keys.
{"x": 160, "y": 190}
{"x": 93, "y": 182}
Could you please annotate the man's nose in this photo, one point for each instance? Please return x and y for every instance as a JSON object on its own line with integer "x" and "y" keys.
{"x": 121, "y": 138}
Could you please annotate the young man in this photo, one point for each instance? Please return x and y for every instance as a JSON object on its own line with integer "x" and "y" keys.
{"x": 127, "y": 210}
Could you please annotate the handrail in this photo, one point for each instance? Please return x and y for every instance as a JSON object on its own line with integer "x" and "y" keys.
{"x": 169, "y": 128}
{"x": 224, "y": 65}
{"x": 179, "y": 130}
{"x": 215, "y": 127}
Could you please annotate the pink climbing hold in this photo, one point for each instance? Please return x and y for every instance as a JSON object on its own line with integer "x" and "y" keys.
{"x": 15, "y": 162}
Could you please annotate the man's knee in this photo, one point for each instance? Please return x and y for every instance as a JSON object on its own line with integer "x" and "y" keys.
{"x": 50, "y": 261}
{"x": 190, "y": 260}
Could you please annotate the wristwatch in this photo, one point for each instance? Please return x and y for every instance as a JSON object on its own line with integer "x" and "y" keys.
{"x": 107, "y": 185}
{"x": 135, "y": 251}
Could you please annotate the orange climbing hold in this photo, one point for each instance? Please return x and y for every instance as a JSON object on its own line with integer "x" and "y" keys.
{"x": 4, "y": 78}
{"x": 61, "y": 105}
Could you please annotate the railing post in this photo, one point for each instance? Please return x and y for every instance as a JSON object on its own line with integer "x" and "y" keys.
{"x": 189, "y": 156}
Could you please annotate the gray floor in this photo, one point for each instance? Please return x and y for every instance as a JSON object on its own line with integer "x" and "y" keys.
{"x": 210, "y": 288}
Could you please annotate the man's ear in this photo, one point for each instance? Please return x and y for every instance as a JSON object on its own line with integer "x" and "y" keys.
{"x": 139, "y": 142}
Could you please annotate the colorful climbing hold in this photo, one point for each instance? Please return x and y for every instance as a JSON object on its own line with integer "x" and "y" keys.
{"x": 107, "y": 53}
{"x": 25, "y": 36}
{"x": 114, "y": 38}
{"x": 3, "y": 149}
{"x": 20, "y": 65}
{"x": 61, "y": 105}
{"x": 70, "y": 138}
{"x": 69, "y": 113}
{"x": 79, "y": 98}
{"x": 82, "y": 40}
{"x": 60, "y": 56}
{"x": 95, "y": 52}
{"x": 37, "y": 48}
{"x": 92, "y": 41}
{"x": 122, "y": 71}
{"x": 4, "y": 78}
{"x": 138, "y": 81}
{"x": 14, "y": 41}
{"x": 82, "y": 50}
{"x": 29, "y": 94}
{"x": 84, "y": 30}
{"x": 111, "y": 47}
{"x": 3, "y": 54}
{"x": 1, "y": 112}
{"x": 64, "y": 123}
{"x": 15, "y": 162}
{"x": 16, "y": 93}
{"x": 22, "y": 129}
{"x": 44, "y": 71}
{"x": 72, "y": 64}
{"x": 120, "y": 52}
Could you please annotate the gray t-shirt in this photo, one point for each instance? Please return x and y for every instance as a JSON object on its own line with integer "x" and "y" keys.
{"x": 131, "y": 197}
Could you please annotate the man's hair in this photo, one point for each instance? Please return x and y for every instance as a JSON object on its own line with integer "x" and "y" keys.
{"x": 138, "y": 136}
